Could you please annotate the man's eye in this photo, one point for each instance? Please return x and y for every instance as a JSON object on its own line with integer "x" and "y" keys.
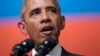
{"x": 35, "y": 12}
{"x": 52, "y": 10}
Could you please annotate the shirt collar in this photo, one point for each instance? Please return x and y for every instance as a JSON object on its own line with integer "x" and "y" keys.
{"x": 55, "y": 52}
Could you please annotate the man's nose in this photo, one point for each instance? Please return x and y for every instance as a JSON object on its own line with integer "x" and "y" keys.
{"x": 45, "y": 18}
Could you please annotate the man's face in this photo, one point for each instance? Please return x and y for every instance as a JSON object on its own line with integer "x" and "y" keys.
{"x": 42, "y": 19}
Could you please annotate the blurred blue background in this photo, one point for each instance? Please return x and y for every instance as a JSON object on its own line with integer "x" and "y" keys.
{"x": 12, "y": 7}
{"x": 82, "y": 30}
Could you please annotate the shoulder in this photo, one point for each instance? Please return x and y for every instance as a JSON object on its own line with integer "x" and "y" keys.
{"x": 66, "y": 53}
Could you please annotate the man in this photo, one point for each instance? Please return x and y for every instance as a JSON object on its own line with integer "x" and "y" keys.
{"x": 40, "y": 19}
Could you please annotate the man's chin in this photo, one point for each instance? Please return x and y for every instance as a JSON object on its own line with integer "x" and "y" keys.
{"x": 44, "y": 37}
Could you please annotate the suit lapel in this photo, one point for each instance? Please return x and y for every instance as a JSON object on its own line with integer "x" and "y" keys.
{"x": 65, "y": 53}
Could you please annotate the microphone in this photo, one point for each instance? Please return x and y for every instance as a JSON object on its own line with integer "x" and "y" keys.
{"x": 46, "y": 46}
{"x": 22, "y": 48}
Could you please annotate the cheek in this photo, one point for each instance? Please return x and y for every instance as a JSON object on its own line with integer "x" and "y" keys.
{"x": 57, "y": 23}
{"x": 32, "y": 24}
{"x": 32, "y": 28}
{"x": 56, "y": 20}
{"x": 33, "y": 31}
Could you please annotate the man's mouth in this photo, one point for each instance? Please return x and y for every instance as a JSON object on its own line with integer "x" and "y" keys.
{"x": 47, "y": 30}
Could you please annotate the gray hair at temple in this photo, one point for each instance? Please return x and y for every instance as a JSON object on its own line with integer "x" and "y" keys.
{"x": 22, "y": 10}
{"x": 23, "y": 7}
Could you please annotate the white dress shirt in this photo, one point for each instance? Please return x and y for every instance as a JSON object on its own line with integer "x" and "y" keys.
{"x": 55, "y": 52}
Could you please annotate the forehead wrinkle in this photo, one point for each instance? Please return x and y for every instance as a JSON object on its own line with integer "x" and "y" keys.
{"x": 27, "y": 4}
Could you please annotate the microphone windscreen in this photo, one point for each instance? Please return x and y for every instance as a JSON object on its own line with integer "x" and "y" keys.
{"x": 22, "y": 48}
{"x": 46, "y": 46}
{"x": 27, "y": 45}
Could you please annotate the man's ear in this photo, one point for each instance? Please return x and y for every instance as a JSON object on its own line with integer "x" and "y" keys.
{"x": 22, "y": 27}
{"x": 62, "y": 22}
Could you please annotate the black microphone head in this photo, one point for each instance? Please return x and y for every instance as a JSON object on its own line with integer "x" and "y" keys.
{"x": 46, "y": 46}
{"x": 17, "y": 50}
{"x": 22, "y": 48}
{"x": 27, "y": 45}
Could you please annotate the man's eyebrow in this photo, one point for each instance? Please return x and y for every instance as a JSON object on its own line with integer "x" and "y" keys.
{"x": 33, "y": 10}
{"x": 51, "y": 7}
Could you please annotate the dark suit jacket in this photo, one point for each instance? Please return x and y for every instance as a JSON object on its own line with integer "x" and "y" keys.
{"x": 65, "y": 53}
